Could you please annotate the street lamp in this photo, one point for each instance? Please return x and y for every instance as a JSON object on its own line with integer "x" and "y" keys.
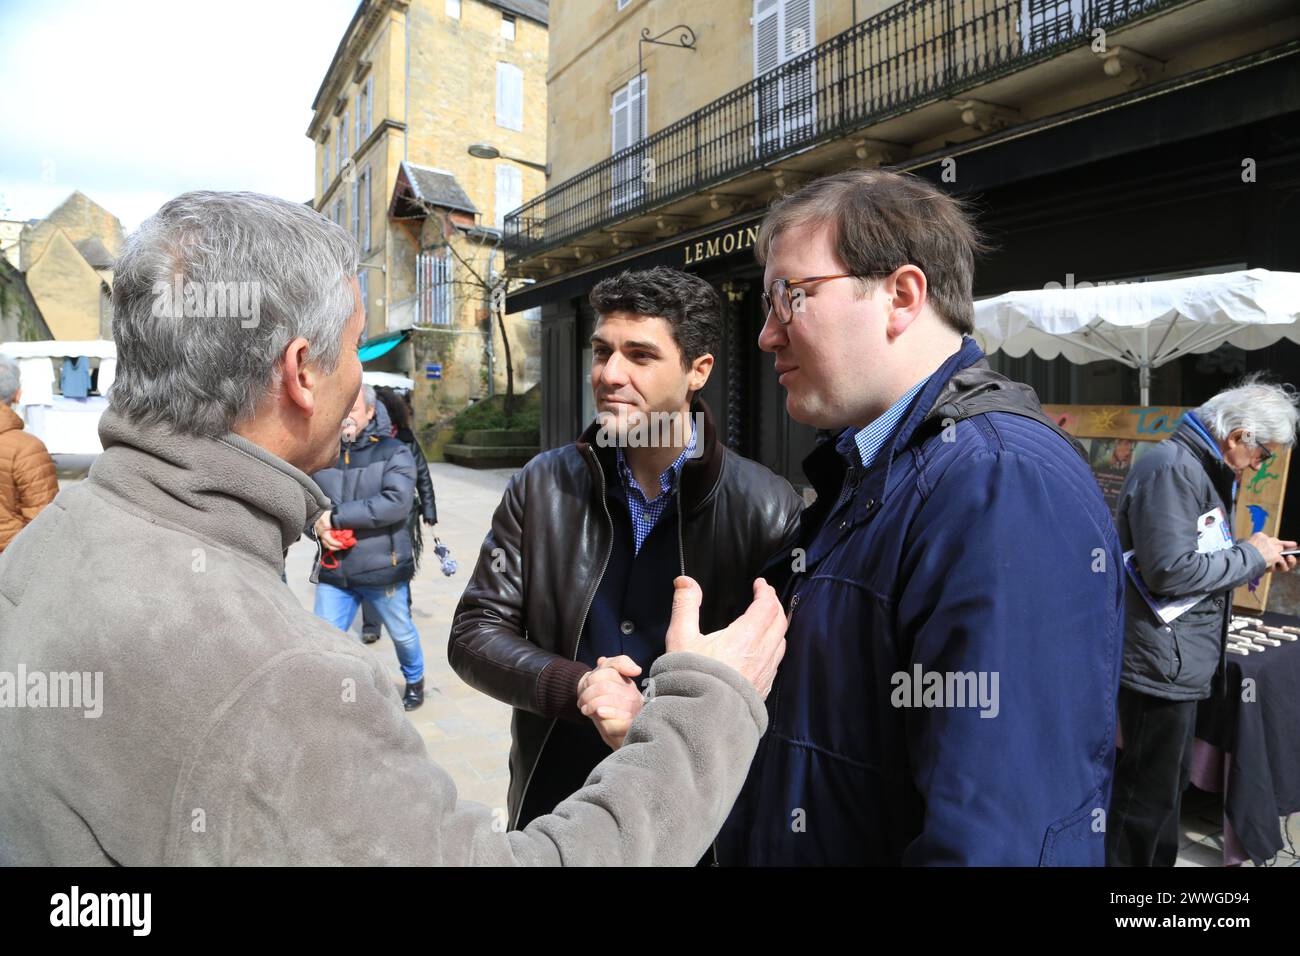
{"x": 487, "y": 151}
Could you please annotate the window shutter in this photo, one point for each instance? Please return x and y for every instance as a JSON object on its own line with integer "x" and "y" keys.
{"x": 797, "y": 30}
{"x": 510, "y": 192}
{"x": 356, "y": 209}
{"x": 636, "y": 109}
{"x": 619, "y": 113}
{"x": 767, "y": 36}
{"x": 370, "y": 104}
{"x": 510, "y": 96}
{"x": 366, "y": 210}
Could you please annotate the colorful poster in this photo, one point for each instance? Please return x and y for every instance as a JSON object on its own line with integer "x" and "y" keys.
{"x": 1116, "y": 436}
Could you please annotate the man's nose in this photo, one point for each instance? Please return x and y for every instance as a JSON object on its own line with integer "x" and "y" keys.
{"x": 772, "y": 335}
{"x": 614, "y": 372}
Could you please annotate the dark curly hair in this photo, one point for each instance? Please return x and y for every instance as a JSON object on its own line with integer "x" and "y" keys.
{"x": 689, "y": 304}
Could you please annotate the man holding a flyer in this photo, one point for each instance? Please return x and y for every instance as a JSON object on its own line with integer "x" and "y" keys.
{"x": 1175, "y": 525}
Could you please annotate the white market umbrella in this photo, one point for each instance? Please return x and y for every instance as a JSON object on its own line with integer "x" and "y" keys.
{"x": 1144, "y": 325}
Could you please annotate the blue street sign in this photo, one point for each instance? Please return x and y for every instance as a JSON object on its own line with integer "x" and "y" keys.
{"x": 433, "y": 370}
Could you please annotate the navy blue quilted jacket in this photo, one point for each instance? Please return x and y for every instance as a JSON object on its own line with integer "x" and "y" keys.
{"x": 948, "y": 690}
{"x": 372, "y": 488}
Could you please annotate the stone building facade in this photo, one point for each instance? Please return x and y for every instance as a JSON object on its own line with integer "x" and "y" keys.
{"x": 413, "y": 84}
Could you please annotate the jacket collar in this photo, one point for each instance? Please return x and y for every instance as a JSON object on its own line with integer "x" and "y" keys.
{"x": 700, "y": 475}
{"x": 9, "y": 420}
{"x": 825, "y": 467}
{"x": 962, "y": 387}
{"x": 225, "y": 490}
{"x": 1221, "y": 476}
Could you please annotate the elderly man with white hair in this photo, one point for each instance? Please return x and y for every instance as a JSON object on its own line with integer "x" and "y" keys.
{"x": 1169, "y": 494}
{"x": 27, "y": 478}
{"x": 179, "y": 704}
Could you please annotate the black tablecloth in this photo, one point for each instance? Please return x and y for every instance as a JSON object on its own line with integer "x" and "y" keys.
{"x": 1263, "y": 738}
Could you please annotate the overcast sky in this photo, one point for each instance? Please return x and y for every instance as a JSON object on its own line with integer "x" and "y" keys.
{"x": 136, "y": 101}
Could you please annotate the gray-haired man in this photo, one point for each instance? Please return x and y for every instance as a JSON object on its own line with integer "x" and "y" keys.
{"x": 233, "y": 725}
{"x": 1169, "y": 664}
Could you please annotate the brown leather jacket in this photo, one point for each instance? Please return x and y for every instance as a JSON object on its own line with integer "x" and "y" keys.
{"x": 27, "y": 479}
{"x": 516, "y": 630}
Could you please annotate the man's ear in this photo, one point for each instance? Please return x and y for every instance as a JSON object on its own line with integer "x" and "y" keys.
{"x": 298, "y": 377}
{"x": 907, "y": 289}
{"x": 698, "y": 375}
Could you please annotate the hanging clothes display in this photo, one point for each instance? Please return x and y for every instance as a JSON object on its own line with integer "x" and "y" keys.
{"x": 75, "y": 380}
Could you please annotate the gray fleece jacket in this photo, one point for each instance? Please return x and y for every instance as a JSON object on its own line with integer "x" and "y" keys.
{"x": 235, "y": 727}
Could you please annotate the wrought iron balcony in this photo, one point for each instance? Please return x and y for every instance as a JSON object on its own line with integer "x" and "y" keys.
{"x": 912, "y": 53}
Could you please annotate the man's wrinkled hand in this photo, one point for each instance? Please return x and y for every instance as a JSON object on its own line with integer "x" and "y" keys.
{"x": 1271, "y": 549}
{"x": 753, "y": 643}
{"x": 610, "y": 697}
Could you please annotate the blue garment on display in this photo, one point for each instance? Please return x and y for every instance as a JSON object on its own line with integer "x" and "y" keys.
{"x": 75, "y": 378}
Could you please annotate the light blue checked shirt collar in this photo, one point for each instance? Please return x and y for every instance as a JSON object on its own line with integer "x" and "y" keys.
{"x": 646, "y": 514}
{"x": 874, "y": 437}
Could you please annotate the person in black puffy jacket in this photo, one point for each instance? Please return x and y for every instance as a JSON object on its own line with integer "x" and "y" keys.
{"x": 371, "y": 488}
{"x": 394, "y": 417}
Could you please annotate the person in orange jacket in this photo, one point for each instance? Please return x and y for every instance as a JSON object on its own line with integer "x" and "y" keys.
{"x": 27, "y": 479}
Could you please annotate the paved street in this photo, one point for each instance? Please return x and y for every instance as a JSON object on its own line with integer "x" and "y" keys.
{"x": 467, "y": 732}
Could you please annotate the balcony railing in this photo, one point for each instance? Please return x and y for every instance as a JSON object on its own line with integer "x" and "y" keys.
{"x": 913, "y": 52}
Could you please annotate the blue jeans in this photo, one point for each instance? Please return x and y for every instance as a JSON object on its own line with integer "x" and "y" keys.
{"x": 339, "y": 607}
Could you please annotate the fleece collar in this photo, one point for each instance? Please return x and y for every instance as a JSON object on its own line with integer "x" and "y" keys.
{"x": 226, "y": 490}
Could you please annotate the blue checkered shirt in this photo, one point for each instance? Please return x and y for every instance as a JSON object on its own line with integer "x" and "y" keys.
{"x": 873, "y": 438}
{"x": 645, "y": 514}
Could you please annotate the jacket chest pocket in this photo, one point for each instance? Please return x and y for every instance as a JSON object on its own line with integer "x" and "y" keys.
{"x": 839, "y": 659}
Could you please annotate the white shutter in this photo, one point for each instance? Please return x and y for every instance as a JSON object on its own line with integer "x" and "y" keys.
{"x": 767, "y": 36}
{"x": 343, "y": 139}
{"x": 356, "y": 209}
{"x": 619, "y": 125}
{"x": 365, "y": 210}
{"x": 325, "y": 167}
{"x": 358, "y": 123}
{"x": 637, "y": 116}
{"x": 370, "y": 104}
{"x": 510, "y": 96}
{"x": 510, "y": 192}
{"x": 797, "y": 28}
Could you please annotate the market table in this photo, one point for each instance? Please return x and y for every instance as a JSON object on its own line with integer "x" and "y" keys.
{"x": 1248, "y": 747}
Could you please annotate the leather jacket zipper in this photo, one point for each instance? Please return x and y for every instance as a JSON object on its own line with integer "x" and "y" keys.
{"x": 681, "y": 557}
{"x": 577, "y": 644}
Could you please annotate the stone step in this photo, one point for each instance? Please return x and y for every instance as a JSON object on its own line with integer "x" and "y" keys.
{"x": 486, "y": 456}
{"x": 502, "y": 437}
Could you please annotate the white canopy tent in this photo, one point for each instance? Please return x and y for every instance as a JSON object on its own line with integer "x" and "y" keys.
{"x": 389, "y": 379}
{"x": 71, "y": 426}
{"x": 1144, "y": 325}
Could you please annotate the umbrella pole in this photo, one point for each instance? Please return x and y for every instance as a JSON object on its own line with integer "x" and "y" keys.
{"x": 1144, "y": 369}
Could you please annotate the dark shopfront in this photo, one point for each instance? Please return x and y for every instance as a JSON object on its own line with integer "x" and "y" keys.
{"x": 1153, "y": 187}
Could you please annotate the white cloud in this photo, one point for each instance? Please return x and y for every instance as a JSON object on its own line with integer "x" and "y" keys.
{"x": 135, "y": 102}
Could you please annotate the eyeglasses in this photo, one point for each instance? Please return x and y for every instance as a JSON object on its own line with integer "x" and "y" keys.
{"x": 1268, "y": 456}
{"x": 778, "y": 301}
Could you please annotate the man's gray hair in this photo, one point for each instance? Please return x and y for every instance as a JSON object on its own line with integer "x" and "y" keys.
{"x": 369, "y": 392}
{"x": 10, "y": 379}
{"x": 1268, "y": 413}
{"x": 209, "y": 292}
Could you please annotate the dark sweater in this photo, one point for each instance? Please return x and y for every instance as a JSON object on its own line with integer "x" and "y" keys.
{"x": 635, "y": 593}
